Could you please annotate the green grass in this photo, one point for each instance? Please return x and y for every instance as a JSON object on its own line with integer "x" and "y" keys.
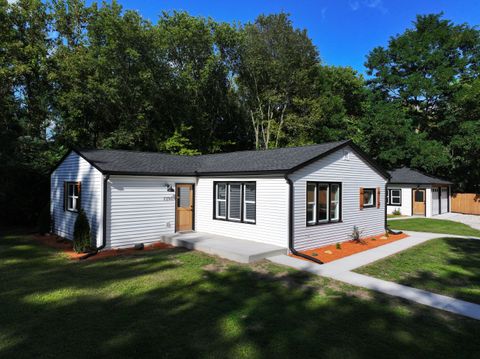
{"x": 434, "y": 225}
{"x": 181, "y": 304}
{"x": 449, "y": 266}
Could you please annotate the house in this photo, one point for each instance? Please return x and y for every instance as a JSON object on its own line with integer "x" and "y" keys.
{"x": 297, "y": 198}
{"x": 413, "y": 193}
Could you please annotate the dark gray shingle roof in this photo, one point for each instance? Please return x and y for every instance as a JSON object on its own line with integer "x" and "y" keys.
{"x": 278, "y": 160}
{"x": 274, "y": 160}
{"x": 408, "y": 176}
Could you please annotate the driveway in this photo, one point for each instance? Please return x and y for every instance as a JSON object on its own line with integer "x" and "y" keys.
{"x": 468, "y": 219}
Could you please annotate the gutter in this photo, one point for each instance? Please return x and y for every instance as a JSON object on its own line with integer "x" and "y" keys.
{"x": 291, "y": 246}
{"x": 104, "y": 220}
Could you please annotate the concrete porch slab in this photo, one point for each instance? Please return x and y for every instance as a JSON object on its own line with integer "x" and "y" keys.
{"x": 235, "y": 249}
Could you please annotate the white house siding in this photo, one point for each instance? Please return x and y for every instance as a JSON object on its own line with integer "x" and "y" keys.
{"x": 271, "y": 211}
{"x": 353, "y": 173}
{"x": 75, "y": 169}
{"x": 140, "y": 209}
{"x": 406, "y": 207}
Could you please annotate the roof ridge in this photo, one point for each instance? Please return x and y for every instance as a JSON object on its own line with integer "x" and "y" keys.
{"x": 273, "y": 149}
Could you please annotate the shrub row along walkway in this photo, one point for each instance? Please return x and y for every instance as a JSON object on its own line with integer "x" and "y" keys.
{"x": 341, "y": 270}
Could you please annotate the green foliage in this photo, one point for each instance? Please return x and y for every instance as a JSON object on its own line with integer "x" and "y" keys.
{"x": 338, "y": 246}
{"x": 82, "y": 239}
{"x": 44, "y": 220}
{"x": 397, "y": 212}
{"x": 96, "y": 75}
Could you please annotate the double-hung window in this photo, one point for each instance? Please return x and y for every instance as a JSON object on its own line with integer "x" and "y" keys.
{"x": 235, "y": 201}
{"x": 323, "y": 202}
{"x": 394, "y": 197}
{"x": 72, "y": 196}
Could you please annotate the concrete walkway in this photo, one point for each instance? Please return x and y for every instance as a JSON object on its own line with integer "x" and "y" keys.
{"x": 341, "y": 270}
{"x": 235, "y": 249}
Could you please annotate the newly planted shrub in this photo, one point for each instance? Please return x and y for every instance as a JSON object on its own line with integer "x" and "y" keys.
{"x": 338, "y": 246}
{"x": 81, "y": 233}
{"x": 356, "y": 235}
{"x": 397, "y": 212}
{"x": 44, "y": 220}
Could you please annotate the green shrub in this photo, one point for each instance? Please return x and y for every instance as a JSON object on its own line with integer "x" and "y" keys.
{"x": 81, "y": 233}
{"x": 357, "y": 235}
{"x": 397, "y": 212}
{"x": 44, "y": 220}
{"x": 338, "y": 246}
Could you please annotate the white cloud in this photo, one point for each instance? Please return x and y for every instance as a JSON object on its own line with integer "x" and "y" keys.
{"x": 376, "y": 4}
{"x": 372, "y": 4}
{"x": 354, "y": 5}
{"x": 324, "y": 13}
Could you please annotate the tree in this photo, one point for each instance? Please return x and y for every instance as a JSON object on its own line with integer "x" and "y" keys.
{"x": 424, "y": 67}
{"x": 277, "y": 66}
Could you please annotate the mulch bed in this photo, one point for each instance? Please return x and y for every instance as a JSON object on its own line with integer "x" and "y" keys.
{"x": 330, "y": 253}
{"x": 66, "y": 247}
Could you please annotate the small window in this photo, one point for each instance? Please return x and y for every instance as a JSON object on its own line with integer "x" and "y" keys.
{"x": 311, "y": 203}
{"x": 369, "y": 197}
{"x": 419, "y": 196}
{"x": 394, "y": 197}
{"x": 249, "y": 202}
{"x": 72, "y": 196}
{"x": 221, "y": 201}
{"x": 323, "y": 202}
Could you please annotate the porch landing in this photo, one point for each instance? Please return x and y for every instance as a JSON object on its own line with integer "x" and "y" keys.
{"x": 239, "y": 250}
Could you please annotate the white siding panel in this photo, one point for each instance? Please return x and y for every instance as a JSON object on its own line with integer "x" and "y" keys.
{"x": 75, "y": 168}
{"x": 140, "y": 209}
{"x": 353, "y": 173}
{"x": 271, "y": 211}
{"x": 406, "y": 207}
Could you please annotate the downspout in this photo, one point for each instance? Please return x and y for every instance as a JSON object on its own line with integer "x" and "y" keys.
{"x": 104, "y": 220}
{"x": 291, "y": 246}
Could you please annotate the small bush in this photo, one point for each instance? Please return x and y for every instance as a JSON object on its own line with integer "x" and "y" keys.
{"x": 81, "y": 233}
{"x": 356, "y": 235}
{"x": 44, "y": 220}
{"x": 397, "y": 212}
{"x": 314, "y": 254}
{"x": 338, "y": 246}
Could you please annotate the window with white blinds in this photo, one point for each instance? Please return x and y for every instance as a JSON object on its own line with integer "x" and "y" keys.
{"x": 235, "y": 201}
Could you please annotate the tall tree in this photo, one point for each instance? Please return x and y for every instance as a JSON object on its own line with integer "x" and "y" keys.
{"x": 424, "y": 68}
{"x": 277, "y": 66}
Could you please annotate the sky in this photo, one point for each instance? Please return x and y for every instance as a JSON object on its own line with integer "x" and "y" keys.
{"x": 344, "y": 31}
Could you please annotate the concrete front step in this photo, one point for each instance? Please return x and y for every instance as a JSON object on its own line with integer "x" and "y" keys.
{"x": 239, "y": 250}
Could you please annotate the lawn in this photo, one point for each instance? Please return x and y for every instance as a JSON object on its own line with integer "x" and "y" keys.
{"x": 434, "y": 225}
{"x": 449, "y": 266}
{"x": 179, "y": 304}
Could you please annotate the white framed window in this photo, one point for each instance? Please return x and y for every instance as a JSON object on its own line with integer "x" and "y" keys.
{"x": 394, "y": 197}
{"x": 72, "y": 196}
{"x": 311, "y": 203}
{"x": 369, "y": 197}
{"x": 249, "y": 202}
{"x": 334, "y": 202}
{"x": 323, "y": 202}
{"x": 221, "y": 200}
{"x": 235, "y": 201}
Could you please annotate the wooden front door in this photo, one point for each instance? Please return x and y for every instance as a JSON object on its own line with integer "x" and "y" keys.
{"x": 184, "y": 207}
{"x": 419, "y": 202}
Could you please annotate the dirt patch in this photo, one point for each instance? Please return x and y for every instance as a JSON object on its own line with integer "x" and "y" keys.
{"x": 66, "y": 246}
{"x": 333, "y": 252}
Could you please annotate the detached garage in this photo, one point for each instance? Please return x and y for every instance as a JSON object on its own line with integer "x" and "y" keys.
{"x": 412, "y": 193}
